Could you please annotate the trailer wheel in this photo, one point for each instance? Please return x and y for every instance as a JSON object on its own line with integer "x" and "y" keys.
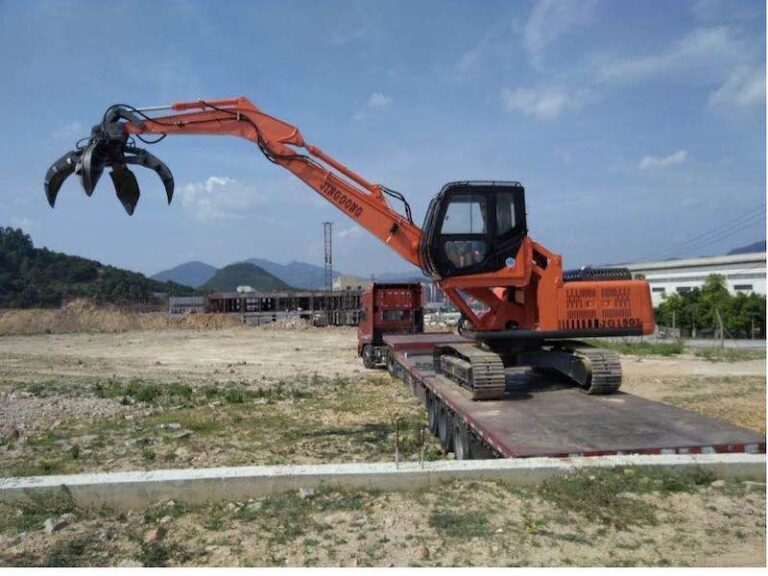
{"x": 445, "y": 429}
{"x": 390, "y": 364}
{"x": 433, "y": 414}
{"x": 462, "y": 447}
{"x": 368, "y": 360}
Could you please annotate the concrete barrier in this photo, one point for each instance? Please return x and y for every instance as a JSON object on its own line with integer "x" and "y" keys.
{"x": 134, "y": 490}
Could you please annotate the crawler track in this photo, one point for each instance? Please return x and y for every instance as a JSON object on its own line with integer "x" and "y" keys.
{"x": 478, "y": 370}
{"x": 604, "y": 367}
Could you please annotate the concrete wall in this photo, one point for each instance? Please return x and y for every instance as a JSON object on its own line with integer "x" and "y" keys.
{"x": 134, "y": 490}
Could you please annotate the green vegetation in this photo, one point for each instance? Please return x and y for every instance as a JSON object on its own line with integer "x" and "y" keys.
{"x": 30, "y": 515}
{"x": 37, "y": 277}
{"x": 696, "y": 311}
{"x": 309, "y": 419}
{"x": 69, "y": 553}
{"x": 717, "y": 354}
{"x": 609, "y": 497}
{"x": 244, "y": 274}
{"x": 643, "y": 348}
{"x": 455, "y": 524}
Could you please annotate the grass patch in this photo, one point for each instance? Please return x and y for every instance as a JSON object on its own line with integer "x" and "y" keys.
{"x": 68, "y": 553}
{"x": 288, "y": 517}
{"x": 137, "y": 390}
{"x": 34, "y": 512}
{"x": 643, "y": 348}
{"x": 610, "y": 497}
{"x": 464, "y": 525}
{"x": 717, "y": 354}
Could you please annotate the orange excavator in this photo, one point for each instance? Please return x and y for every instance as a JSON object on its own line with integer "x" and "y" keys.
{"x": 518, "y": 306}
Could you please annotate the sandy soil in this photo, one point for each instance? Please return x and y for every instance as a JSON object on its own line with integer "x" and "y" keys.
{"x": 307, "y": 398}
{"x": 731, "y": 391}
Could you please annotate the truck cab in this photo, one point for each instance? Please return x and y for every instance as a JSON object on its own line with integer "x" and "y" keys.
{"x": 387, "y": 309}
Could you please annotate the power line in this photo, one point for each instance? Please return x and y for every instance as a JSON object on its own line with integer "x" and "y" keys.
{"x": 719, "y": 232}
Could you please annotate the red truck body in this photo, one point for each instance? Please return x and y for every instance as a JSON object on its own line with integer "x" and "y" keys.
{"x": 388, "y": 309}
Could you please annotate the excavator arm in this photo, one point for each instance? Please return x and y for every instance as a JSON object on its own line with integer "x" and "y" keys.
{"x": 364, "y": 202}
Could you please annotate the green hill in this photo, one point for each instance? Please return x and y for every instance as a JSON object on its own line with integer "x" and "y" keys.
{"x": 244, "y": 274}
{"x": 37, "y": 277}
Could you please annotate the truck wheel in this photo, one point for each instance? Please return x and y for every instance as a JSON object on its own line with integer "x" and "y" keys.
{"x": 445, "y": 429}
{"x": 433, "y": 410}
{"x": 368, "y": 360}
{"x": 461, "y": 444}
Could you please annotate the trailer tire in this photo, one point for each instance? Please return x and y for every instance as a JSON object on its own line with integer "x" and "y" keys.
{"x": 367, "y": 355}
{"x": 391, "y": 365}
{"x": 462, "y": 446}
{"x": 445, "y": 429}
{"x": 433, "y": 414}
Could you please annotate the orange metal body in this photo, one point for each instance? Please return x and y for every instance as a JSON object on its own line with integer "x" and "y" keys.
{"x": 529, "y": 295}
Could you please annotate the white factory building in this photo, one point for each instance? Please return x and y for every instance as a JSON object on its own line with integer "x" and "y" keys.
{"x": 743, "y": 273}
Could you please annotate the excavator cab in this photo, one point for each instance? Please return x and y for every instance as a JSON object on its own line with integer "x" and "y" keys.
{"x": 472, "y": 228}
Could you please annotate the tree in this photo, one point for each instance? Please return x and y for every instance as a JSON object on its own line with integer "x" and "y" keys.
{"x": 698, "y": 309}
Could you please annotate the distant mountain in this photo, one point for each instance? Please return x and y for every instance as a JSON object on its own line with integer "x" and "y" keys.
{"x": 297, "y": 274}
{"x": 754, "y": 247}
{"x": 193, "y": 273}
{"x": 415, "y": 276}
{"x": 244, "y": 274}
{"x": 37, "y": 277}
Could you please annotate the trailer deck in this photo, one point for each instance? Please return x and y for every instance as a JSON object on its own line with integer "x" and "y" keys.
{"x": 541, "y": 415}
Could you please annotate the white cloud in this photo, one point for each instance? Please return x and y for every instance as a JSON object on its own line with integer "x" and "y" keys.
{"x": 379, "y": 100}
{"x": 703, "y": 50}
{"x": 744, "y": 87}
{"x": 220, "y": 198}
{"x": 549, "y": 20}
{"x": 545, "y": 104}
{"x": 71, "y": 131}
{"x": 659, "y": 163}
{"x": 352, "y": 232}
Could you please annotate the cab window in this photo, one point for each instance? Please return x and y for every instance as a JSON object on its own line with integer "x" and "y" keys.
{"x": 506, "y": 218}
{"x": 466, "y": 214}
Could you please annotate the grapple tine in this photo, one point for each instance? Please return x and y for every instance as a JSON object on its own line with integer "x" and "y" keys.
{"x": 58, "y": 172}
{"x": 90, "y": 168}
{"x": 141, "y": 157}
{"x": 126, "y": 187}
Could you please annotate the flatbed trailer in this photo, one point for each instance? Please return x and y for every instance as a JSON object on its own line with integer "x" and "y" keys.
{"x": 541, "y": 415}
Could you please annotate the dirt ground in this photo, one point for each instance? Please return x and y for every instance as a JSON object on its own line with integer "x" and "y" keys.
{"x": 232, "y": 396}
{"x": 611, "y": 518}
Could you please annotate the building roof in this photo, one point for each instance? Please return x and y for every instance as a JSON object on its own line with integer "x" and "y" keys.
{"x": 709, "y": 261}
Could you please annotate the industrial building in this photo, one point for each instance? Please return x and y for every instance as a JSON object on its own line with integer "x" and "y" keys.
{"x": 744, "y": 273}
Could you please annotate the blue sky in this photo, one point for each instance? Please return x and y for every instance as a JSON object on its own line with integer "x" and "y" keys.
{"x": 633, "y": 125}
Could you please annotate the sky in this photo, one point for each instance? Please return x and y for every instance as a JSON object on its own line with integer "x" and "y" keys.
{"x": 637, "y": 128}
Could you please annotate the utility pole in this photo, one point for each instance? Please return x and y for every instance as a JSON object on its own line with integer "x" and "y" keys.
{"x": 328, "y": 234}
{"x": 673, "y": 319}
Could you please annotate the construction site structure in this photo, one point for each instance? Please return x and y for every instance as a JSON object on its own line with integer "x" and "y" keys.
{"x": 320, "y": 307}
